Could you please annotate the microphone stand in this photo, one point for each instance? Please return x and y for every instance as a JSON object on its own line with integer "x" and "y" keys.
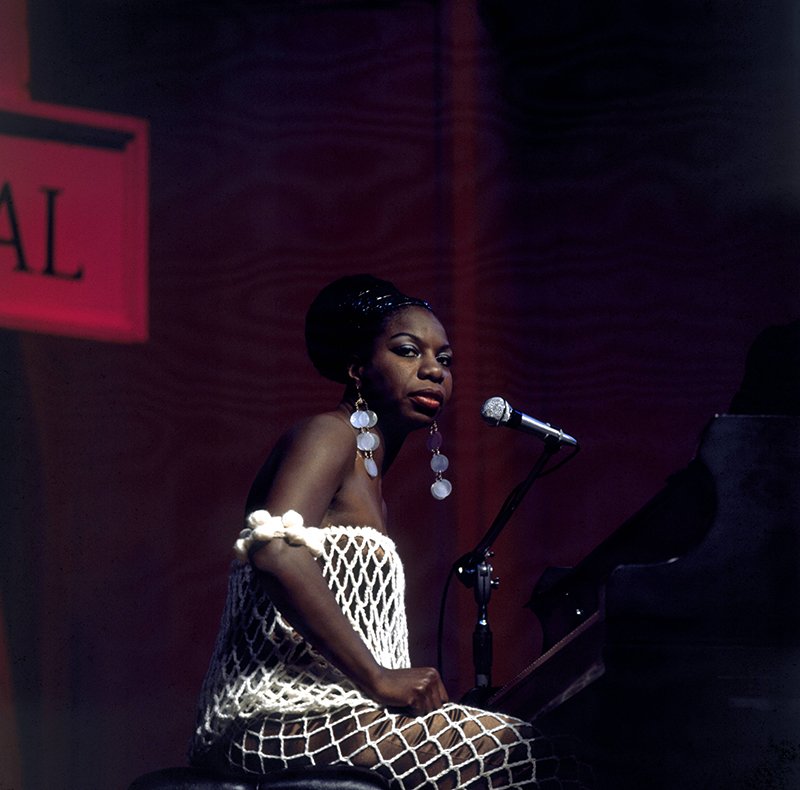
{"x": 474, "y": 570}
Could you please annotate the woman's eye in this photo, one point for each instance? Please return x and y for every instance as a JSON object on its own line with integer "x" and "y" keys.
{"x": 445, "y": 360}
{"x": 406, "y": 351}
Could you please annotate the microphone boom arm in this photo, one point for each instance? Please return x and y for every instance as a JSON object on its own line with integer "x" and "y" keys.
{"x": 470, "y": 560}
{"x": 474, "y": 571}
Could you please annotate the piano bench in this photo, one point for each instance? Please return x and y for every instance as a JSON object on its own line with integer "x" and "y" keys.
{"x": 332, "y": 777}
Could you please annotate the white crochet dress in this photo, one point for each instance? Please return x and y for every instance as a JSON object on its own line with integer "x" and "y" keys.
{"x": 270, "y": 701}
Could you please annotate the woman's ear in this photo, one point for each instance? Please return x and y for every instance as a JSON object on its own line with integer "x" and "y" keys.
{"x": 355, "y": 371}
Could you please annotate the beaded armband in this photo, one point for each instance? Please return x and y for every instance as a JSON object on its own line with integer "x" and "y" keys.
{"x": 262, "y": 527}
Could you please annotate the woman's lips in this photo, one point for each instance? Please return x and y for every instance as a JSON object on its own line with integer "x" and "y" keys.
{"x": 428, "y": 401}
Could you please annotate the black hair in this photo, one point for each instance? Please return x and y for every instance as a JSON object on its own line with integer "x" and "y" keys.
{"x": 346, "y": 317}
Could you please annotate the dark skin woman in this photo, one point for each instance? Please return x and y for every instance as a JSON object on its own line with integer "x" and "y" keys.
{"x": 311, "y": 666}
{"x": 407, "y": 380}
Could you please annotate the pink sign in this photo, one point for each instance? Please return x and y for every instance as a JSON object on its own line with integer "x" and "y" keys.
{"x": 73, "y": 222}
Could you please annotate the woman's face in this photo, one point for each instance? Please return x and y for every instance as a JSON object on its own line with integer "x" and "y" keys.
{"x": 409, "y": 372}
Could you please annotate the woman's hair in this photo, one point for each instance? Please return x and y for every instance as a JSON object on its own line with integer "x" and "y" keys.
{"x": 346, "y": 317}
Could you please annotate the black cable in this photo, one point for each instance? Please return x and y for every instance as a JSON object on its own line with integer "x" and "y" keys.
{"x": 561, "y": 463}
{"x": 440, "y": 629}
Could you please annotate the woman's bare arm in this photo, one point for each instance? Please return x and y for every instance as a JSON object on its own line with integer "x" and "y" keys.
{"x": 311, "y": 466}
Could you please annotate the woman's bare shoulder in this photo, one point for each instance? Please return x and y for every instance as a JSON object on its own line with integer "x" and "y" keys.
{"x": 325, "y": 427}
{"x": 322, "y": 440}
{"x": 306, "y": 466}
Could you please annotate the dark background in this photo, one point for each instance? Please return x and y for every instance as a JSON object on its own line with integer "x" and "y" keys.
{"x": 600, "y": 200}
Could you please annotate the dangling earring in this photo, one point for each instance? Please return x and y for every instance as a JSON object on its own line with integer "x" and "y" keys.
{"x": 441, "y": 488}
{"x": 362, "y": 419}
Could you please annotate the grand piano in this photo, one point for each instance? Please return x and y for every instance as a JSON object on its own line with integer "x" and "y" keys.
{"x": 672, "y": 651}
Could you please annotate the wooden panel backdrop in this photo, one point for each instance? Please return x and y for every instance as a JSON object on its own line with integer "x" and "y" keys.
{"x": 600, "y": 199}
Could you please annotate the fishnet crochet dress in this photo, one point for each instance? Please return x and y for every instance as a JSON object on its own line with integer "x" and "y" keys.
{"x": 270, "y": 701}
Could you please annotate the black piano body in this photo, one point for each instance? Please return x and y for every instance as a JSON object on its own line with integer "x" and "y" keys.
{"x": 672, "y": 651}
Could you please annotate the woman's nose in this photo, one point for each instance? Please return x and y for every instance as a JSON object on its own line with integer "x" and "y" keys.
{"x": 431, "y": 368}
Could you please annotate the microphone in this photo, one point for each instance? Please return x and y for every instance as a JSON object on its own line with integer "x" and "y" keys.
{"x": 497, "y": 411}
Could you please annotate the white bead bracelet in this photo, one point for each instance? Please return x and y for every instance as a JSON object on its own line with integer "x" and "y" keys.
{"x": 262, "y": 527}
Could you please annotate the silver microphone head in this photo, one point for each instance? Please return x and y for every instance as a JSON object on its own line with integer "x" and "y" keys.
{"x": 496, "y": 411}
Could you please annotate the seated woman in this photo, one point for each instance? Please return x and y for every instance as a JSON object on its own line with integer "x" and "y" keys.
{"x": 311, "y": 665}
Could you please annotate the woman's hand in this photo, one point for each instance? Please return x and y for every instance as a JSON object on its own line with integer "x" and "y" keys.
{"x": 418, "y": 690}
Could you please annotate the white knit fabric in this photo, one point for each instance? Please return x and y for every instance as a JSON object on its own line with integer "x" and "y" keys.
{"x": 261, "y": 665}
{"x": 270, "y": 701}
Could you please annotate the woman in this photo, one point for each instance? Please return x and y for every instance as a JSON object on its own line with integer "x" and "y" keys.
{"x": 311, "y": 665}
